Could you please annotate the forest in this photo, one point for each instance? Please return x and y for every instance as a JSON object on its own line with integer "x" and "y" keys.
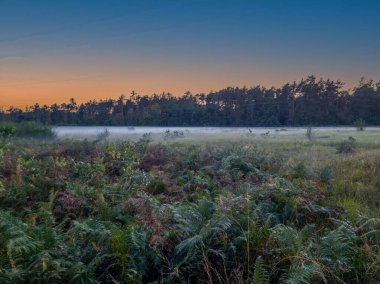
{"x": 311, "y": 101}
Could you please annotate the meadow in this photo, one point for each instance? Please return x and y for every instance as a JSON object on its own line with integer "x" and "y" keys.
{"x": 248, "y": 208}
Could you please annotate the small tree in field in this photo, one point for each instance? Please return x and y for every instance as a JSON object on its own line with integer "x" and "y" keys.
{"x": 309, "y": 133}
{"x": 360, "y": 124}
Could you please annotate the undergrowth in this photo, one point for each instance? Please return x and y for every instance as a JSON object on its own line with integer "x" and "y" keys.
{"x": 101, "y": 212}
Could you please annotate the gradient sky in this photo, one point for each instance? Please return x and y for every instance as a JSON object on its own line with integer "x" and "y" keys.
{"x": 51, "y": 51}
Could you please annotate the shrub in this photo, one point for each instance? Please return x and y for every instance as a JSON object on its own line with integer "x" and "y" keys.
{"x": 347, "y": 146}
{"x": 26, "y": 129}
{"x": 168, "y": 135}
{"x": 7, "y": 130}
{"x": 147, "y": 137}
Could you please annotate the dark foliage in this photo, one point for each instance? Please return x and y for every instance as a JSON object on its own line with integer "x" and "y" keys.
{"x": 308, "y": 102}
{"x": 80, "y": 212}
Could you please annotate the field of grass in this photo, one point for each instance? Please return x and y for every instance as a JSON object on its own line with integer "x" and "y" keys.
{"x": 223, "y": 209}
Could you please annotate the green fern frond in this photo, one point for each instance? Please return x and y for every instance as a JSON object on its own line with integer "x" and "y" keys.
{"x": 15, "y": 240}
{"x": 373, "y": 235}
{"x": 304, "y": 274}
{"x": 260, "y": 274}
{"x": 369, "y": 224}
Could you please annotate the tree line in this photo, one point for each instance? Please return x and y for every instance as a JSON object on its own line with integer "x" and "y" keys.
{"x": 310, "y": 101}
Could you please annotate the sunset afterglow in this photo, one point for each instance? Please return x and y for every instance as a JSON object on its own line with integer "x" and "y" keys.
{"x": 51, "y": 51}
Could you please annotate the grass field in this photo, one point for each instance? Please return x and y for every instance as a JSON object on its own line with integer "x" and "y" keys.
{"x": 226, "y": 208}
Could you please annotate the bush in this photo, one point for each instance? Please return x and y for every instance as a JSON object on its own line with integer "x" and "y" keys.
{"x": 7, "y": 130}
{"x": 168, "y": 135}
{"x": 147, "y": 137}
{"x": 34, "y": 129}
{"x": 347, "y": 146}
{"x": 26, "y": 129}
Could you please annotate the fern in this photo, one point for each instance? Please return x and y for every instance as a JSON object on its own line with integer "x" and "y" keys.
{"x": 368, "y": 223}
{"x": 142, "y": 257}
{"x": 260, "y": 274}
{"x": 290, "y": 241}
{"x": 188, "y": 249}
{"x": 336, "y": 250}
{"x": 121, "y": 240}
{"x": 304, "y": 274}
{"x": 15, "y": 240}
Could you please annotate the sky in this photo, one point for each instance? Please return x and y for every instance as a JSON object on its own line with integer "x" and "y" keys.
{"x": 51, "y": 51}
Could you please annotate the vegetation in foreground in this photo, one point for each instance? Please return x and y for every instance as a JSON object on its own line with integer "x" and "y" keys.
{"x": 140, "y": 212}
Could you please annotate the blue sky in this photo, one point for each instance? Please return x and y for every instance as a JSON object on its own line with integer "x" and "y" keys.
{"x": 52, "y": 50}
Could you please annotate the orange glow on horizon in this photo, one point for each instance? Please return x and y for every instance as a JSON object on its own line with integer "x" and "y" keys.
{"x": 24, "y": 95}
{"x": 27, "y": 92}
{"x": 24, "y": 84}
